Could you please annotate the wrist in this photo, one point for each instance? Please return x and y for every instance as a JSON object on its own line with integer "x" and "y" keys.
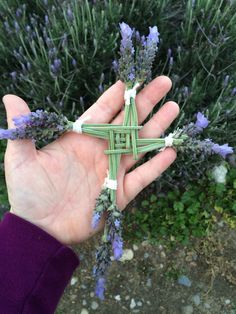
{"x": 38, "y": 224}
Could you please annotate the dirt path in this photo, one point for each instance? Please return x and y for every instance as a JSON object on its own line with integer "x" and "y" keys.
{"x": 200, "y": 279}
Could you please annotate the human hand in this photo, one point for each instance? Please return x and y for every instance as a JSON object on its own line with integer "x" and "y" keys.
{"x": 56, "y": 187}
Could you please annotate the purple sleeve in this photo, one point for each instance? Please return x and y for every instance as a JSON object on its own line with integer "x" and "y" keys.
{"x": 35, "y": 268}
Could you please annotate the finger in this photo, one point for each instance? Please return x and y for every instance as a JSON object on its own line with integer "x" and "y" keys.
{"x": 16, "y": 106}
{"x": 108, "y": 105}
{"x": 155, "y": 127}
{"x": 148, "y": 97}
{"x": 136, "y": 180}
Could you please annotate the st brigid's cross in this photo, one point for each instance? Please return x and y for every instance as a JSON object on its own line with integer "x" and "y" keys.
{"x": 123, "y": 139}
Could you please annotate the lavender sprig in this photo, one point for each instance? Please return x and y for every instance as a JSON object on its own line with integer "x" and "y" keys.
{"x": 135, "y": 63}
{"x": 111, "y": 240}
{"x": 102, "y": 203}
{"x": 207, "y": 146}
{"x": 40, "y": 126}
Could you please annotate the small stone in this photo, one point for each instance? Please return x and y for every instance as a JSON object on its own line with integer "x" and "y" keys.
{"x": 207, "y": 305}
{"x": 196, "y": 299}
{"x": 135, "y": 247}
{"x": 187, "y": 309}
{"x": 139, "y": 303}
{"x": 132, "y": 304}
{"x": 91, "y": 294}
{"x": 148, "y": 302}
{"x": 160, "y": 247}
{"x": 227, "y": 301}
{"x": 146, "y": 255}
{"x": 83, "y": 287}
{"x": 94, "y": 305}
{"x": 73, "y": 281}
{"x": 127, "y": 297}
{"x": 184, "y": 281}
{"x": 161, "y": 265}
{"x": 145, "y": 243}
{"x": 117, "y": 297}
{"x": 149, "y": 282}
{"x": 84, "y": 302}
{"x": 127, "y": 255}
{"x": 163, "y": 254}
{"x": 84, "y": 311}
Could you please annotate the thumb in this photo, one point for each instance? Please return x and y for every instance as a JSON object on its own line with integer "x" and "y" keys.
{"x": 18, "y": 149}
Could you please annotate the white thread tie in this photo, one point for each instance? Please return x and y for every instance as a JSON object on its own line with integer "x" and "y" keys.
{"x": 169, "y": 140}
{"x": 130, "y": 93}
{"x": 77, "y": 125}
{"x": 109, "y": 183}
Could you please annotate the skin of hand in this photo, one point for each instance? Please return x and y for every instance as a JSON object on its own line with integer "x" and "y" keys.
{"x": 56, "y": 187}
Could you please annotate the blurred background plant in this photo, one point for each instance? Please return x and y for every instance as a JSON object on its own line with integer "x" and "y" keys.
{"x": 57, "y": 55}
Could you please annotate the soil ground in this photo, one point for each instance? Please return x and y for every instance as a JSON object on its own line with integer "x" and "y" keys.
{"x": 148, "y": 283}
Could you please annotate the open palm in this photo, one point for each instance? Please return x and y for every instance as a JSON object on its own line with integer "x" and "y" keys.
{"x": 56, "y": 187}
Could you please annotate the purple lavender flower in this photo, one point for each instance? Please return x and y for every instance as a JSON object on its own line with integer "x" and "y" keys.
{"x": 143, "y": 41}
{"x": 193, "y": 129}
{"x": 233, "y": 93}
{"x": 13, "y": 75}
{"x": 7, "y": 27}
{"x": 46, "y": 19}
{"x": 28, "y": 28}
{"x": 208, "y": 147}
{"x": 126, "y": 61}
{"x": 169, "y": 53}
{"x": 171, "y": 61}
{"x": 226, "y": 81}
{"x": 222, "y": 150}
{"x": 16, "y": 25}
{"x": 95, "y": 220}
{"x": 137, "y": 36}
{"x": 74, "y": 63}
{"x": 64, "y": 40}
{"x": 126, "y": 34}
{"x": 117, "y": 223}
{"x": 136, "y": 68}
{"x": 52, "y": 52}
{"x": 49, "y": 42}
{"x": 153, "y": 37}
{"x": 30, "y": 126}
{"x": 186, "y": 91}
{"x": 56, "y": 66}
{"x": 28, "y": 64}
{"x": 202, "y": 121}
{"x": 69, "y": 14}
{"x": 18, "y": 12}
{"x": 100, "y": 288}
{"x": 146, "y": 54}
{"x": 115, "y": 66}
{"x": 117, "y": 245}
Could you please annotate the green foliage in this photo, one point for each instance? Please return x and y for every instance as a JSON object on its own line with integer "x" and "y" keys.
{"x": 179, "y": 214}
{"x": 201, "y": 36}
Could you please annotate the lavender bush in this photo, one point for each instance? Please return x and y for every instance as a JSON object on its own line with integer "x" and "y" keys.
{"x": 137, "y": 54}
{"x": 56, "y": 56}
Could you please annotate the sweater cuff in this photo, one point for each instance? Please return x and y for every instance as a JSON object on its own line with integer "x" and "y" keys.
{"x": 35, "y": 268}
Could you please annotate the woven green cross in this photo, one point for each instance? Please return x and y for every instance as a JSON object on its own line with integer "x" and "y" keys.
{"x": 124, "y": 139}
